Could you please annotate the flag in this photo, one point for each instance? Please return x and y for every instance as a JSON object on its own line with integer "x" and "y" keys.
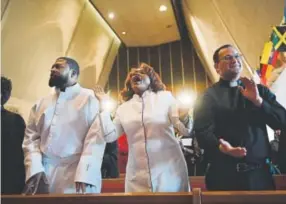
{"x": 278, "y": 38}
{"x": 266, "y": 53}
{"x": 273, "y": 57}
{"x": 271, "y": 49}
{"x": 268, "y": 57}
{"x": 263, "y": 70}
{"x": 268, "y": 71}
{"x": 265, "y": 73}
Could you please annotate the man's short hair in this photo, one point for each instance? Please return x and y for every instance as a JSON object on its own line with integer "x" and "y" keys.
{"x": 6, "y": 88}
{"x": 216, "y": 53}
{"x": 72, "y": 64}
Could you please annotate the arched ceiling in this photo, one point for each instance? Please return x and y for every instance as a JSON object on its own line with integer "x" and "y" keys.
{"x": 142, "y": 21}
{"x": 74, "y": 28}
{"x": 244, "y": 23}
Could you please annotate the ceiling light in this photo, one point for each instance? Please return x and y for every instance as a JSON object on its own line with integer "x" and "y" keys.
{"x": 163, "y": 8}
{"x": 111, "y": 15}
{"x": 123, "y": 33}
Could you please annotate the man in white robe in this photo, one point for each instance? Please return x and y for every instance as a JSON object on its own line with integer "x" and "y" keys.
{"x": 63, "y": 139}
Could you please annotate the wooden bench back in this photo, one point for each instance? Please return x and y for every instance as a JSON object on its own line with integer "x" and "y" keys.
{"x": 117, "y": 185}
{"x": 194, "y": 197}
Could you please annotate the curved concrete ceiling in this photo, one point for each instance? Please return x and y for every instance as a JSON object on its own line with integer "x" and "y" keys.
{"x": 142, "y": 21}
{"x": 36, "y": 33}
{"x": 244, "y": 23}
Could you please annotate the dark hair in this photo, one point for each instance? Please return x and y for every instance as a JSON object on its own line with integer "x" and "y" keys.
{"x": 216, "y": 53}
{"x": 72, "y": 64}
{"x": 6, "y": 88}
{"x": 156, "y": 83}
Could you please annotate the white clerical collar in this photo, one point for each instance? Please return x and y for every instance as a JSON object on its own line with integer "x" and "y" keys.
{"x": 233, "y": 83}
{"x": 230, "y": 83}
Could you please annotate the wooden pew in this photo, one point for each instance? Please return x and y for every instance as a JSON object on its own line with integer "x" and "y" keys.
{"x": 113, "y": 185}
{"x": 117, "y": 185}
{"x": 243, "y": 197}
{"x": 106, "y": 198}
{"x": 198, "y": 182}
{"x": 280, "y": 182}
{"x": 196, "y": 197}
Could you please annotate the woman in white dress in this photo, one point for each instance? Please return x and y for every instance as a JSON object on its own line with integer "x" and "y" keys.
{"x": 148, "y": 116}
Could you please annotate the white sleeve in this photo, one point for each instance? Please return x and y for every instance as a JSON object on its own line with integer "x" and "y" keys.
{"x": 89, "y": 166}
{"x": 118, "y": 126}
{"x": 31, "y": 147}
{"x": 112, "y": 129}
{"x": 184, "y": 129}
{"x": 101, "y": 130}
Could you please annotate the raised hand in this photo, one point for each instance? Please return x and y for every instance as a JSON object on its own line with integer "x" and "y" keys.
{"x": 100, "y": 94}
{"x": 226, "y": 148}
{"x": 250, "y": 91}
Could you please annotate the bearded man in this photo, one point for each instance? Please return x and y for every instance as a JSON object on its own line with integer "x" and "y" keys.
{"x": 63, "y": 143}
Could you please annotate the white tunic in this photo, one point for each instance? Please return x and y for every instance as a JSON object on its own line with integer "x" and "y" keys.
{"x": 155, "y": 160}
{"x": 64, "y": 139}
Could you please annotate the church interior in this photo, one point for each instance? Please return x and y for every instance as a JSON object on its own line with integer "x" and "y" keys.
{"x": 108, "y": 38}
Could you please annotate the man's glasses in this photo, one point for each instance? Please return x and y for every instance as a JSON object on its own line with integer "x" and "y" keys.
{"x": 231, "y": 57}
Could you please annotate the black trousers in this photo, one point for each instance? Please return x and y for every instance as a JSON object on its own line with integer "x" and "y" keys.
{"x": 282, "y": 152}
{"x": 226, "y": 178}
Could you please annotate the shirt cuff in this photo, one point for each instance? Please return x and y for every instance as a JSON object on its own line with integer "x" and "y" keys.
{"x": 89, "y": 172}
{"x": 34, "y": 165}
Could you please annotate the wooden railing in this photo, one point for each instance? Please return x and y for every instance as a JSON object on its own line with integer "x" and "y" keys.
{"x": 113, "y": 193}
{"x": 105, "y": 198}
{"x": 280, "y": 182}
{"x": 195, "y": 197}
{"x": 117, "y": 185}
{"x": 243, "y": 197}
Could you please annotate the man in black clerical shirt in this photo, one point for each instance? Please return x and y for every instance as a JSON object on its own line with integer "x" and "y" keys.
{"x": 230, "y": 124}
{"x": 282, "y": 152}
{"x": 12, "y": 135}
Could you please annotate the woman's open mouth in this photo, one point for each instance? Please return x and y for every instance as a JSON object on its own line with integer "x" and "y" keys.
{"x": 136, "y": 78}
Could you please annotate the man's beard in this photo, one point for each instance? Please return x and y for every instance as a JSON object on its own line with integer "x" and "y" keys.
{"x": 58, "y": 81}
{"x": 4, "y": 98}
